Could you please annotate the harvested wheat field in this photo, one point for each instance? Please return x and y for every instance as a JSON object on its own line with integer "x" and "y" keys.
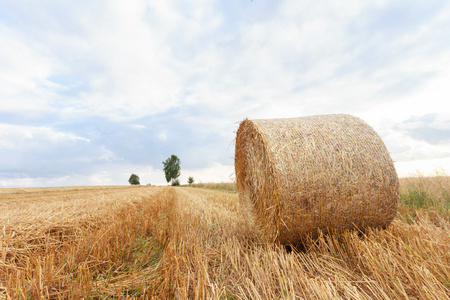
{"x": 196, "y": 243}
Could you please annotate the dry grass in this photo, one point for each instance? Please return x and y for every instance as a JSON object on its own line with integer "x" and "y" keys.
{"x": 432, "y": 193}
{"x": 165, "y": 242}
{"x": 220, "y": 186}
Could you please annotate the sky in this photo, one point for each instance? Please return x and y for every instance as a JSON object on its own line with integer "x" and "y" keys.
{"x": 93, "y": 91}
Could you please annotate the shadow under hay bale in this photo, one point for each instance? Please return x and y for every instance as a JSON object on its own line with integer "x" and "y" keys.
{"x": 323, "y": 173}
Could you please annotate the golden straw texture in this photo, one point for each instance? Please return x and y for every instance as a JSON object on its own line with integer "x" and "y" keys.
{"x": 304, "y": 175}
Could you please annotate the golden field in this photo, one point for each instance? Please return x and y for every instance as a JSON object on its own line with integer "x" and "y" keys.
{"x": 126, "y": 242}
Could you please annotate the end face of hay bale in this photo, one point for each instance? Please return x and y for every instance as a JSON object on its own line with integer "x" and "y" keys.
{"x": 302, "y": 175}
{"x": 256, "y": 178}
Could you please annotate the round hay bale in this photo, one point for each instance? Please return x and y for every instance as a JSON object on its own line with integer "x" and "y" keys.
{"x": 326, "y": 173}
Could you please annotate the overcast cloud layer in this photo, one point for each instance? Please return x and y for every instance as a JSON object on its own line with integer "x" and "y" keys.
{"x": 92, "y": 91}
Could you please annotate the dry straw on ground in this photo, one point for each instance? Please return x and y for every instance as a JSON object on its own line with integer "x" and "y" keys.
{"x": 304, "y": 175}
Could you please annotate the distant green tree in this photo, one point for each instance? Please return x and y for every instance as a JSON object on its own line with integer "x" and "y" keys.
{"x": 172, "y": 169}
{"x": 190, "y": 180}
{"x": 176, "y": 182}
{"x": 134, "y": 179}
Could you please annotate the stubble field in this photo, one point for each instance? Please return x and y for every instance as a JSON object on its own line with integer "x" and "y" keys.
{"x": 123, "y": 242}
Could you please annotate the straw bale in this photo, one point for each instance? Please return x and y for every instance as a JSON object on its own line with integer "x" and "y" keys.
{"x": 302, "y": 176}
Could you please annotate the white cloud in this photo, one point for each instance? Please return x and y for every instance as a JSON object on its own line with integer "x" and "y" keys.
{"x": 408, "y": 149}
{"x": 120, "y": 173}
{"x": 107, "y": 155}
{"x": 29, "y": 155}
{"x": 182, "y": 74}
{"x": 14, "y": 136}
{"x": 119, "y": 67}
{"x": 162, "y": 136}
{"x": 307, "y": 60}
{"x": 214, "y": 173}
{"x": 137, "y": 126}
{"x": 100, "y": 178}
{"x": 23, "y": 71}
{"x": 427, "y": 167}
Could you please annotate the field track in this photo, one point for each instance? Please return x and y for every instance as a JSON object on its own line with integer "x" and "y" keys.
{"x": 124, "y": 242}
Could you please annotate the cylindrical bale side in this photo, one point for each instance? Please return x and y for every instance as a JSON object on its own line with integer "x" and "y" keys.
{"x": 303, "y": 175}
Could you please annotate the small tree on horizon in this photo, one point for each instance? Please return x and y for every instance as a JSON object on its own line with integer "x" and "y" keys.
{"x": 190, "y": 180}
{"x": 134, "y": 180}
{"x": 172, "y": 169}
